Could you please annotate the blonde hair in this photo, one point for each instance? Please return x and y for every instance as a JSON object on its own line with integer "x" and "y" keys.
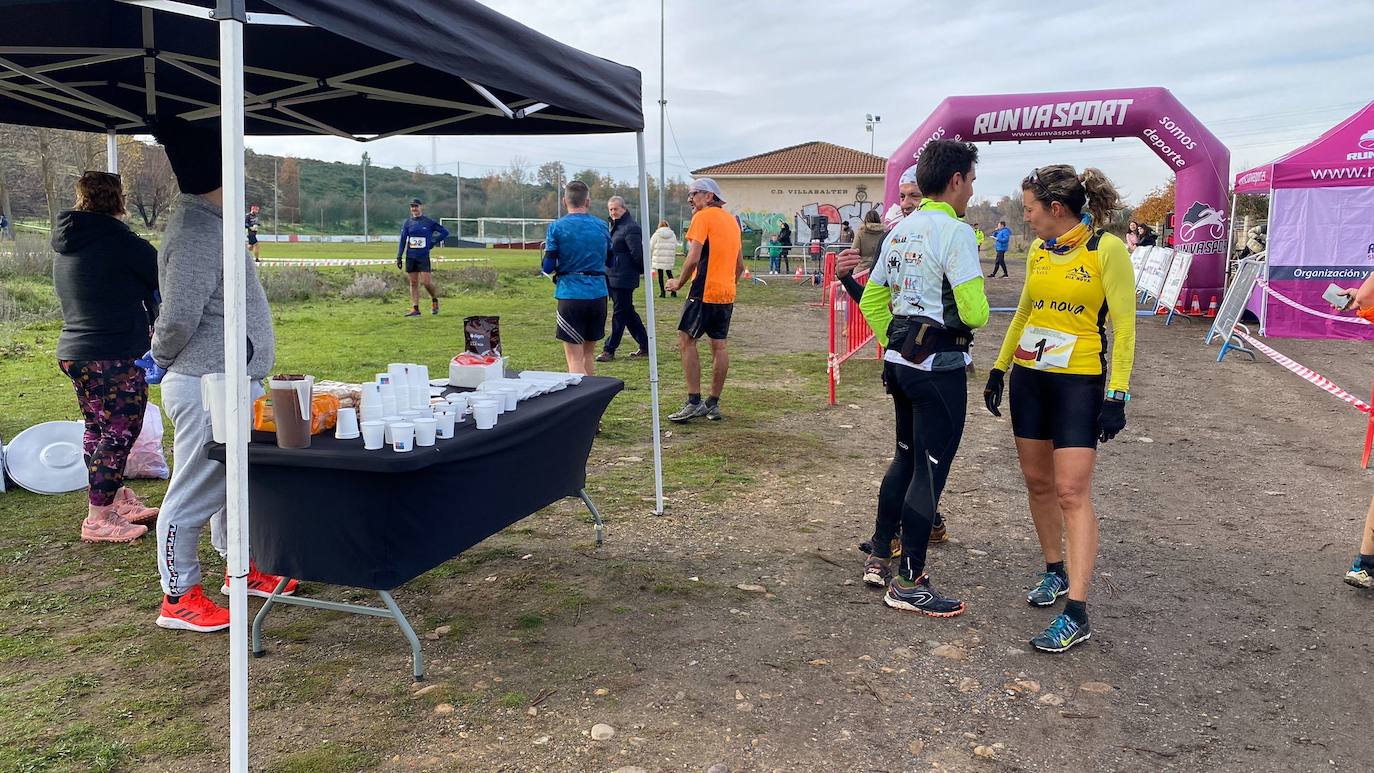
{"x": 1061, "y": 183}
{"x": 101, "y": 192}
{"x": 663, "y": 224}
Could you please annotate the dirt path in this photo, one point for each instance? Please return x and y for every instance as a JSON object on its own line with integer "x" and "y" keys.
{"x": 1223, "y": 637}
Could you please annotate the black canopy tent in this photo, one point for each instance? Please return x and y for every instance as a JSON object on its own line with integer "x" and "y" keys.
{"x": 361, "y": 70}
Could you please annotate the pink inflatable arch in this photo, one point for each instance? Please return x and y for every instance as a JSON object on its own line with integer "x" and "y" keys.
{"x": 1200, "y": 161}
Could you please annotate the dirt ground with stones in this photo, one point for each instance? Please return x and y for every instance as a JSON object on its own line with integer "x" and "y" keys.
{"x": 734, "y": 633}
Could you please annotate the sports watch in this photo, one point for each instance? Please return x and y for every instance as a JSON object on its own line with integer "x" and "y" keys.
{"x": 1117, "y": 394}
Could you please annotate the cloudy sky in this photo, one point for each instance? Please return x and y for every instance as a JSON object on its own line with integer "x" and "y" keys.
{"x": 744, "y": 78}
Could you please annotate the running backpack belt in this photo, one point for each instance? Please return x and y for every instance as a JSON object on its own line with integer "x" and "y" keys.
{"x": 918, "y": 338}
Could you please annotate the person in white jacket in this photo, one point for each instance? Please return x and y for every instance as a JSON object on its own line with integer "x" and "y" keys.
{"x": 663, "y": 253}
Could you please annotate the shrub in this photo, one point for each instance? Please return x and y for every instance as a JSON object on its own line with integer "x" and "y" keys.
{"x": 289, "y": 283}
{"x": 468, "y": 278}
{"x": 366, "y": 286}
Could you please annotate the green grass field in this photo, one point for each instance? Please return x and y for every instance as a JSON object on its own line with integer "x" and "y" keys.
{"x": 79, "y": 651}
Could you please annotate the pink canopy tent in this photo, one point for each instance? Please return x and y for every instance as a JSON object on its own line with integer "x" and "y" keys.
{"x": 1321, "y": 227}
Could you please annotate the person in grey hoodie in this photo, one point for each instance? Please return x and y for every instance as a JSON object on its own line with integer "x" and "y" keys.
{"x": 188, "y": 341}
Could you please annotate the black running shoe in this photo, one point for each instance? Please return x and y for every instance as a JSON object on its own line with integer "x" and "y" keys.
{"x": 434, "y": 306}
{"x": 918, "y": 596}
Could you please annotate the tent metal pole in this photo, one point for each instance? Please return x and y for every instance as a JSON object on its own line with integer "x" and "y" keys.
{"x": 230, "y": 17}
{"x": 651, "y": 328}
{"x": 112, "y": 152}
{"x": 662, "y": 112}
{"x": 1230, "y": 243}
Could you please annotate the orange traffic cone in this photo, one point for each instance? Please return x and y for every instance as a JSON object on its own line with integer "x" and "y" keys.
{"x": 1212, "y": 307}
{"x": 747, "y": 275}
{"x": 799, "y": 274}
{"x": 1196, "y": 310}
{"x": 1162, "y": 309}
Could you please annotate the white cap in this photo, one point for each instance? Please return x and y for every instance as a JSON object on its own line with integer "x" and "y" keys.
{"x": 708, "y": 185}
{"x": 908, "y": 177}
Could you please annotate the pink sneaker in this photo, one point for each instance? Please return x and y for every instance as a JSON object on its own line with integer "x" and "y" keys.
{"x": 131, "y": 509}
{"x": 108, "y": 526}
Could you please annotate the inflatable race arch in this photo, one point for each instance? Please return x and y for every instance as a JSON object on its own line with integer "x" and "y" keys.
{"x": 1200, "y": 162}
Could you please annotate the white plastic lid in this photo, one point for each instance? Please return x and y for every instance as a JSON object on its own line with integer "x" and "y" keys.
{"x": 48, "y": 458}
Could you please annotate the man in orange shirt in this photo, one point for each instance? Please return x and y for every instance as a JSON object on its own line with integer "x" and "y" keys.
{"x": 715, "y": 261}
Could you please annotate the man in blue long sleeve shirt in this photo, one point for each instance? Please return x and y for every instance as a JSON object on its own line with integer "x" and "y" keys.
{"x": 418, "y": 235}
{"x": 1001, "y": 241}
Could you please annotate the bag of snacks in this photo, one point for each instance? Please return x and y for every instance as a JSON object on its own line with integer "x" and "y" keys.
{"x": 324, "y": 413}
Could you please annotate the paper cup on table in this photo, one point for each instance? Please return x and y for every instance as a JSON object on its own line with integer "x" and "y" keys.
{"x": 425, "y": 430}
{"x": 459, "y": 400}
{"x": 369, "y": 393}
{"x": 445, "y": 423}
{"x": 390, "y": 422}
{"x": 374, "y": 435}
{"x": 402, "y": 437}
{"x": 510, "y": 395}
{"x": 484, "y": 412}
{"x": 346, "y": 424}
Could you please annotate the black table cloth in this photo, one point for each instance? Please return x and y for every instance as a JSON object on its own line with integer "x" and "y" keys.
{"x": 338, "y": 514}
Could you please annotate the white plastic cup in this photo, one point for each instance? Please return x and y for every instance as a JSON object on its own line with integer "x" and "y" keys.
{"x": 402, "y": 437}
{"x": 484, "y": 413}
{"x": 425, "y": 429}
{"x": 390, "y": 422}
{"x": 346, "y": 424}
{"x": 370, "y": 394}
{"x": 422, "y": 376}
{"x": 212, "y": 399}
{"x": 445, "y": 424}
{"x": 459, "y": 400}
{"x": 511, "y": 395}
{"x": 374, "y": 435}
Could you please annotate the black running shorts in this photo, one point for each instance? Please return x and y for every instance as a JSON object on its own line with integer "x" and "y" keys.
{"x": 580, "y": 320}
{"x": 1062, "y": 407}
{"x": 417, "y": 265}
{"x": 709, "y": 319}
{"x": 252, "y": 238}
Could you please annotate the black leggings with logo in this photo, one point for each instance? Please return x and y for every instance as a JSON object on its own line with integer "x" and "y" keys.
{"x": 930, "y": 407}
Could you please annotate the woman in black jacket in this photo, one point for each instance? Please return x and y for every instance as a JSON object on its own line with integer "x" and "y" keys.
{"x": 106, "y": 280}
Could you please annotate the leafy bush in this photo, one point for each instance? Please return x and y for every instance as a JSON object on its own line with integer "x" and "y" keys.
{"x": 367, "y": 286}
{"x": 290, "y": 283}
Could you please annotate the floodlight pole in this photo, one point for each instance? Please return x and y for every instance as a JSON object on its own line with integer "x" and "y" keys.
{"x": 650, "y": 328}
{"x": 231, "y": 15}
{"x": 364, "y": 163}
{"x": 662, "y": 120}
{"x": 112, "y": 152}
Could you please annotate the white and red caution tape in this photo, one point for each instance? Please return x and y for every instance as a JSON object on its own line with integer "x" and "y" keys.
{"x": 358, "y": 262}
{"x": 1305, "y": 373}
{"x": 1281, "y": 298}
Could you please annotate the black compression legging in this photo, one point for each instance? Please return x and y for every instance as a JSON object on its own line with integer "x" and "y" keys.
{"x": 661, "y": 272}
{"x": 930, "y": 407}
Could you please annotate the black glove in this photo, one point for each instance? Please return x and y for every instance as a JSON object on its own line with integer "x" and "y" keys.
{"x": 398, "y": 263}
{"x": 1112, "y": 420}
{"x": 992, "y": 393}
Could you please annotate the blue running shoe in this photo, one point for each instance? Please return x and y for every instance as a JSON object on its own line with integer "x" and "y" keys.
{"x": 1062, "y": 634}
{"x": 1359, "y": 576}
{"x": 1051, "y": 586}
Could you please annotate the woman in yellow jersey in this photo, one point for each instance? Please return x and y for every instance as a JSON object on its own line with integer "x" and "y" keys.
{"x": 1077, "y": 277}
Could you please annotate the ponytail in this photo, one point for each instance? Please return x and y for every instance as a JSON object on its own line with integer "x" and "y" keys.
{"x": 1103, "y": 200}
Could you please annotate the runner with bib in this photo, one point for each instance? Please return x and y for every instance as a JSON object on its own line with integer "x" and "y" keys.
{"x": 1077, "y": 277}
{"x": 925, "y": 296}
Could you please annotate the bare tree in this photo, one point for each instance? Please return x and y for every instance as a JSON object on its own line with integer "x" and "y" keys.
{"x": 148, "y": 181}
{"x": 49, "y": 173}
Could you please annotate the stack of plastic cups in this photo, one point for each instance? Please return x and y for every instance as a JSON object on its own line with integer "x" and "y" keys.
{"x": 419, "y": 386}
{"x": 370, "y": 406}
{"x": 387, "y": 388}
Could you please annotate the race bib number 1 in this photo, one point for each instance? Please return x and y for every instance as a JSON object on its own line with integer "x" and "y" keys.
{"x": 417, "y": 242}
{"x": 1045, "y": 348}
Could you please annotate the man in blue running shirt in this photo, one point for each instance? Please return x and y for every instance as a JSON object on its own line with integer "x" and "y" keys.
{"x": 418, "y": 235}
{"x": 575, "y": 256}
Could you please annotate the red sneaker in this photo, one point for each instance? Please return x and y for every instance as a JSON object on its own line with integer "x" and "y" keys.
{"x": 261, "y": 584}
{"x": 193, "y": 612}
